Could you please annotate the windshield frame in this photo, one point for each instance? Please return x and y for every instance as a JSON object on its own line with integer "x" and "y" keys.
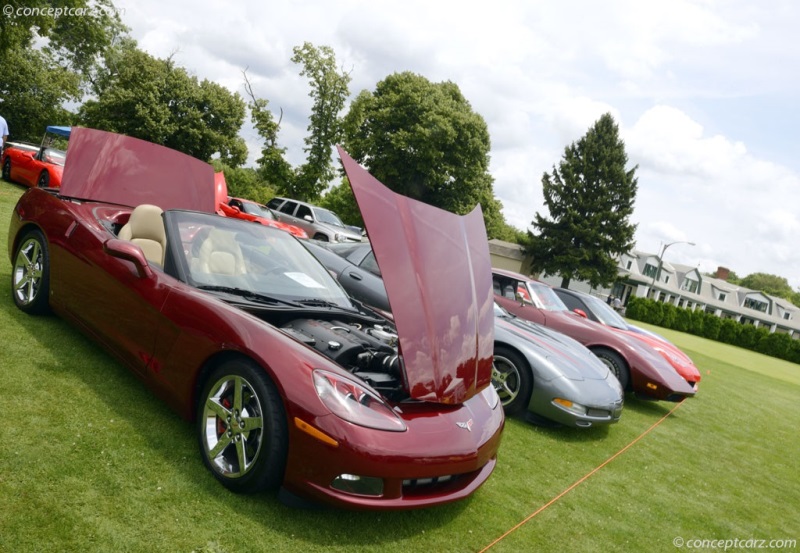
{"x": 604, "y": 313}
{"x": 544, "y": 297}
{"x": 273, "y": 262}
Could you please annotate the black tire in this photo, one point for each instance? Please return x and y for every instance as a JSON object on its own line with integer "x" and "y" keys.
{"x": 512, "y": 379}
{"x": 616, "y": 365}
{"x": 30, "y": 274}
{"x": 258, "y": 424}
{"x": 321, "y": 237}
{"x": 7, "y": 169}
{"x": 44, "y": 179}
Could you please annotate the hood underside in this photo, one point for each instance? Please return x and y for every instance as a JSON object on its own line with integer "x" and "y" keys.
{"x": 118, "y": 169}
{"x": 437, "y": 273}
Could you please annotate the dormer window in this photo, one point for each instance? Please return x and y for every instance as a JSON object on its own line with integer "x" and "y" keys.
{"x": 650, "y": 271}
{"x": 628, "y": 265}
{"x": 756, "y": 304}
{"x": 690, "y": 285}
{"x": 787, "y": 315}
{"x": 722, "y": 296}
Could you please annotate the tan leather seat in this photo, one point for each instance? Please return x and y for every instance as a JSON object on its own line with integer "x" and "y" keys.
{"x": 220, "y": 254}
{"x": 145, "y": 228}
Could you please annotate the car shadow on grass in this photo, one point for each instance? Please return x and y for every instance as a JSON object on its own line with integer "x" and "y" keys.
{"x": 647, "y": 407}
{"x": 560, "y": 432}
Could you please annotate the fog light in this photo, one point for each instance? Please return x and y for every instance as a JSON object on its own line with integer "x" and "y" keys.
{"x": 358, "y": 485}
{"x": 652, "y": 386}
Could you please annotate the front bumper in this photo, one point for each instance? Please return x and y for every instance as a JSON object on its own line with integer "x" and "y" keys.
{"x": 436, "y": 461}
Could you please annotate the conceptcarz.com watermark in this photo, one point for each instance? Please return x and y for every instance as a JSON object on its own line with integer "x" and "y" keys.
{"x": 735, "y": 543}
{"x": 51, "y": 11}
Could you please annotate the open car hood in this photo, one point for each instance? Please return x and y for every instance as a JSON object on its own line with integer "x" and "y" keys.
{"x": 118, "y": 169}
{"x": 438, "y": 277}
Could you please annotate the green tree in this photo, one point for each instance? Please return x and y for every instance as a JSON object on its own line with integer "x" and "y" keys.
{"x": 245, "y": 182}
{"x": 34, "y": 88}
{"x": 773, "y": 285}
{"x": 341, "y": 201}
{"x": 329, "y": 90}
{"x": 45, "y": 59}
{"x": 155, "y": 100}
{"x": 74, "y": 41}
{"x": 272, "y": 165}
{"x": 590, "y": 198}
{"x": 423, "y": 140}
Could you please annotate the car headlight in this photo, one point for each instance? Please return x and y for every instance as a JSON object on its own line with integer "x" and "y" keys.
{"x": 672, "y": 357}
{"x": 355, "y": 403}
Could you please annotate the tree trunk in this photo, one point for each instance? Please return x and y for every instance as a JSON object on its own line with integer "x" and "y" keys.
{"x": 565, "y": 282}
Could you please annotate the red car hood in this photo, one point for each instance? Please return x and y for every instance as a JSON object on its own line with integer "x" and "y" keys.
{"x": 118, "y": 169}
{"x": 438, "y": 277}
{"x": 674, "y": 356}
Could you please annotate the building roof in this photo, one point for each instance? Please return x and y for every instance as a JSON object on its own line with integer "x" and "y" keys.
{"x": 675, "y": 279}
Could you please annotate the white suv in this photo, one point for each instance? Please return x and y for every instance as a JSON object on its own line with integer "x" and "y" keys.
{"x": 319, "y": 223}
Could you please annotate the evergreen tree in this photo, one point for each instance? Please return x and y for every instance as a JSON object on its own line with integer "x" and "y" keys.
{"x": 590, "y": 197}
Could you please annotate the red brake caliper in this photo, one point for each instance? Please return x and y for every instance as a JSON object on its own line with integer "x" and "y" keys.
{"x": 221, "y": 426}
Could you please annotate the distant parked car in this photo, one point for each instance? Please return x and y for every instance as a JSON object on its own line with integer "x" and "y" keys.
{"x": 551, "y": 375}
{"x": 597, "y": 310}
{"x": 319, "y": 223}
{"x": 34, "y": 165}
{"x": 240, "y": 208}
{"x": 356, "y": 269}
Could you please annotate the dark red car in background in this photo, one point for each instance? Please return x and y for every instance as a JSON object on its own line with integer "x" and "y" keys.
{"x": 638, "y": 367}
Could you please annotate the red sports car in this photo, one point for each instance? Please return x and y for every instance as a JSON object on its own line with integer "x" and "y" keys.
{"x": 597, "y": 310}
{"x": 239, "y": 208}
{"x": 33, "y": 165}
{"x": 239, "y": 328}
{"x": 638, "y": 367}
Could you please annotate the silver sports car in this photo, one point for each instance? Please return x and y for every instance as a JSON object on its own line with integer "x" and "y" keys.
{"x": 556, "y": 377}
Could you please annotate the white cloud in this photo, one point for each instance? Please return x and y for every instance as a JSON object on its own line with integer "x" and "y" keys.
{"x": 688, "y": 81}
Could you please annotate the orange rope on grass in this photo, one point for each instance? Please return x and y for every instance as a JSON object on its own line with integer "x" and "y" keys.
{"x": 579, "y": 482}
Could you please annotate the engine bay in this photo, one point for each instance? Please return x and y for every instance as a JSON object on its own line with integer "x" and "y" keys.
{"x": 368, "y": 351}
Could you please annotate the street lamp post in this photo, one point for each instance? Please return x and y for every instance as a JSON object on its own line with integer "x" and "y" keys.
{"x": 657, "y": 276}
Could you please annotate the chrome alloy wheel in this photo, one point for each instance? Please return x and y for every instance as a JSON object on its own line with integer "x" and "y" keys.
{"x": 233, "y": 429}
{"x": 28, "y": 271}
{"x": 506, "y": 379}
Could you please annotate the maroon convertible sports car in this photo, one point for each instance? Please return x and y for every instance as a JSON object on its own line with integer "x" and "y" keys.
{"x": 237, "y": 327}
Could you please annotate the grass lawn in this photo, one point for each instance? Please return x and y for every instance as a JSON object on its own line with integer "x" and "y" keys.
{"x": 91, "y": 461}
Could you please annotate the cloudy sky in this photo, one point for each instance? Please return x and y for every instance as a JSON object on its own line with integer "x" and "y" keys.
{"x": 704, "y": 92}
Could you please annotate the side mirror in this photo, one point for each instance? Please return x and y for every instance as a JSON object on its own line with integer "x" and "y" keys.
{"x": 581, "y": 312}
{"x": 309, "y": 218}
{"x": 122, "y": 249}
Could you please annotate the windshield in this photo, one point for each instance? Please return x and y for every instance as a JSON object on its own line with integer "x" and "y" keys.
{"x": 255, "y": 209}
{"x": 545, "y": 297}
{"x": 329, "y": 217}
{"x": 56, "y": 157}
{"x": 223, "y": 252}
{"x": 604, "y": 313}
